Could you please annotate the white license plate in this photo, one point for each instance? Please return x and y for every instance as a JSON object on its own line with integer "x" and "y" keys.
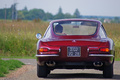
{"x": 73, "y": 51}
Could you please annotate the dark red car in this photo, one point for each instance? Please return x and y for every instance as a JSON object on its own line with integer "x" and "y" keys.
{"x": 75, "y": 44}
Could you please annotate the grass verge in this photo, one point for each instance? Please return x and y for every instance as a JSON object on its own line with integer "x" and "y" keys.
{"x": 118, "y": 59}
{"x": 7, "y": 65}
{"x": 18, "y": 57}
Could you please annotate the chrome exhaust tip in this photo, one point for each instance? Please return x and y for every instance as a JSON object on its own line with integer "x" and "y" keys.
{"x": 98, "y": 64}
{"x": 50, "y": 63}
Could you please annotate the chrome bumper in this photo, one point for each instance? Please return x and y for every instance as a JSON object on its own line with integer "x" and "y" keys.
{"x": 54, "y": 55}
{"x": 101, "y": 55}
{"x": 92, "y": 55}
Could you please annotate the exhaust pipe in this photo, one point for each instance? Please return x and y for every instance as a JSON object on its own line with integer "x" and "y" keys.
{"x": 50, "y": 63}
{"x": 97, "y": 64}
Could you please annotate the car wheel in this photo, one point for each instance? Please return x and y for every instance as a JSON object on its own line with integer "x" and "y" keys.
{"x": 108, "y": 71}
{"x": 42, "y": 71}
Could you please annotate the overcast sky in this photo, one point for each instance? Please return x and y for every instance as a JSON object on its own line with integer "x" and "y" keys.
{"x": 86, "y": 7}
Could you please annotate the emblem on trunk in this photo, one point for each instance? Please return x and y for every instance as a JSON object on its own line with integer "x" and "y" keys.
{"x": 74, "y": 41}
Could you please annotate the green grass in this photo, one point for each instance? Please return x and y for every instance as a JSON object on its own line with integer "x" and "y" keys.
{"x": 19, "y": 57}
{"x": 117, "y": 59}
{"x": 7, "y": 65}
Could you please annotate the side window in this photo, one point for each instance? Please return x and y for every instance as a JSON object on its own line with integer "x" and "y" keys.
{"x": 47, "y": 33}
{"x": 102, "y": 32}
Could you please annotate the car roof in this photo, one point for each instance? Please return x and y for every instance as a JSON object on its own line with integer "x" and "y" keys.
{"x": 75, "y": 20}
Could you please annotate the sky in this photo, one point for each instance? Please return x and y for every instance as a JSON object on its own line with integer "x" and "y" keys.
{"x": 85, "y": 7}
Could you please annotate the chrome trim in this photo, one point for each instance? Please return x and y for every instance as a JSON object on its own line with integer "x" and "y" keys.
{"x": 59, "y": 50}
{"x": 88, "y": 50}
{"x": 101, "y": 55}
{"x": 53, "y": 55}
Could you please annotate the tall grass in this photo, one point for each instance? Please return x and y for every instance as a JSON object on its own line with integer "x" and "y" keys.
{"x": 113, "y": 31}
{"x": 17, "y": 38}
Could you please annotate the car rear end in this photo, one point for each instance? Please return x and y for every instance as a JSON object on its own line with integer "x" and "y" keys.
{"x": 83, "y": 52}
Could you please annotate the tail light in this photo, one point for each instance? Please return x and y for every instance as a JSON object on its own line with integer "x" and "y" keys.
{"x": 48, "y": 51}
{"x": 104, "y": 49}
{"x": 43, "y": 50}
{"x": 95, "y": 50}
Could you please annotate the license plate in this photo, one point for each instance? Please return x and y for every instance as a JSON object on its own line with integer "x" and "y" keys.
{"x": 73, "y": 51}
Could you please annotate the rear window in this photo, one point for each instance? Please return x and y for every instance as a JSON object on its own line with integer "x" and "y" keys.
{"x": 75, "y": 27}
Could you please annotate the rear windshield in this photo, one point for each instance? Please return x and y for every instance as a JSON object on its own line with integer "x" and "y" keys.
{"x": 75, "y": 27}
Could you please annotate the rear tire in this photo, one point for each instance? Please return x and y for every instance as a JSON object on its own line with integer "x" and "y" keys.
{"x": 108, "y": 71}
{"x": 42, "y": 71}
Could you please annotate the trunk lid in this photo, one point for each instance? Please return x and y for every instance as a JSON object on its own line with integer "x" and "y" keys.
{"x": 83, "y": 42}
{"x": 78, "y": 48}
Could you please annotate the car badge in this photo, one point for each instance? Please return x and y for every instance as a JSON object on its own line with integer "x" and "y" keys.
{"x": 74, "y": 41}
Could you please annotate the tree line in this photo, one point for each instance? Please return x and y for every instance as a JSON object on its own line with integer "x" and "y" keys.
{"x": 25, "y": 14}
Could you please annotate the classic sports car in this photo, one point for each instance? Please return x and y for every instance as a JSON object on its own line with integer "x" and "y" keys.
{"x": 75, "y": 44}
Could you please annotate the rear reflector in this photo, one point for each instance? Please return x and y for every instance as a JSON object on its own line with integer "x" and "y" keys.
{"x": 104, "y": 50}
{"x": 43, "y": 49}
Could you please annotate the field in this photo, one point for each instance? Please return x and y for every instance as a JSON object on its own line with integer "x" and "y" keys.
{"x": 113, "y": 32}
{"x": 17, "y": 38}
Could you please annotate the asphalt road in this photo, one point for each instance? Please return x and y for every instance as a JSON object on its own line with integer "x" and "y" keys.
{"x": 63, "y": 74}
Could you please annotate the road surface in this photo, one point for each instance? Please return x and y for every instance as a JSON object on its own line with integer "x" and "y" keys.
{"x": 63, "y": 74}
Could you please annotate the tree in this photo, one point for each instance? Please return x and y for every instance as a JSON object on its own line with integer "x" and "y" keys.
{"x": 59, "y": 15}
{"x": 60, "y": 11}
{"x": 21, "y": 15}
{"x": 8, "y": 13}
{"x": 35, "y": 14}
{"x": 49, "y": 16}
{"x": 67, "y": 15}
{"x": 116, "y": 19}
{"x": 25, "y": 9}
{"x": 77, "y": 13}
{"x": 2, "y": 13}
